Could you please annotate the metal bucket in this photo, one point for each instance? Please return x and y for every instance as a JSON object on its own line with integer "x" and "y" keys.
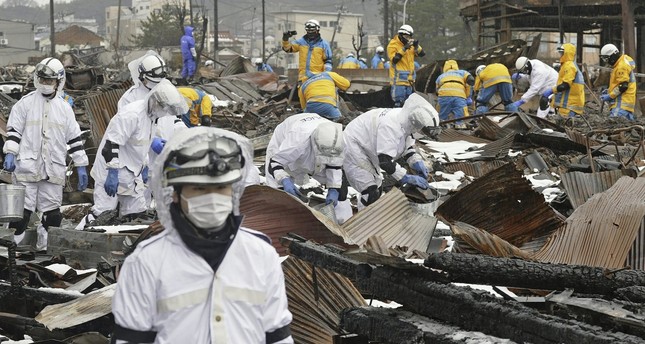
{"x": 12, "y": 202}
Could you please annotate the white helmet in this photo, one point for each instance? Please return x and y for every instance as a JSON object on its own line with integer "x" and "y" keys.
{"x": 406, "y": 30}
{"x": 350, "y": 55}
{"x": 379, "y": 49}
{"x": 165, "y": 100}
{"x": 421, "y": 116}
{"x": 609, "y": 53}
{"x": 479, "y": 69}
{"x": 152, "y": 68}
{"x": 214, "y": 162}
{"x": 257, "y": 60}
{"x": 327, "y": 140}
{"x": 209, "y": 63}
{"x": 520, "y": 63}
{"x": 312, "y": 26}
{"x": 363, "y": 59}
{"x": 49, "y": 69}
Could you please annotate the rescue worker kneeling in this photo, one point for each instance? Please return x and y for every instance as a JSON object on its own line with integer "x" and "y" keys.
{"x": 204, "y": 279}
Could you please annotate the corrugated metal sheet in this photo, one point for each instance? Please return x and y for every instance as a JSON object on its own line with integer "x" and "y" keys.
{"x": 490, "y": 130}
{"x": 87, "y": 307}
{"x": 485, "y": 242}
{"x": 316, "y": 298}
{"x": 498, "y": 149}
{"x": 234, "y": 89}
{"x": 474, "y": 169}
{"x": 450, "y": 135}
{"x": 100, "y": 108}
{"x": 636, "y": 255}
{"x": 276, "y": 213}
{"x": 601, "y": 231}
{"x": 502, "y": 203}
{"x": 580, "y": 186}
{"x": 394, "y": 221}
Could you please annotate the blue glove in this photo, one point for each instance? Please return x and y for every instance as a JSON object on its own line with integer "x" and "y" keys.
{"x": 9, "y": 162}
{"x": 332, "y": 197}
{"x": 469, "y": 101}
{"x": 515, "y": 76}
{"x": 157, "y": 144}
{"x": 518, "y": 103}
{"x": 290, "y": 187}
{"x": 421, "y": 169}
{"x": 112, "y": 182}
{"x": 547, "y": 93}
{"x": 82, "y": 178}
{"x": 606, "y": 98}
{"x": 415, "y": 180}
{"x": 144, "y": 175}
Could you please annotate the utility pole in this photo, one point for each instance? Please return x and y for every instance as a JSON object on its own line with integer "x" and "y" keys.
{"x": 263, "y": 32}
{"x": 118, "y": 33}
{"x": 190, "y": 9}
{"x": 331, "y": 43}
{"x": 386, "y": 16}
{"x": 215, "y": 28}
{"x": 52, "y": 30}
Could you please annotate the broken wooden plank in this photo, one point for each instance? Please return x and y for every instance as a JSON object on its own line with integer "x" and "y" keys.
{"x": 86, "y": 308}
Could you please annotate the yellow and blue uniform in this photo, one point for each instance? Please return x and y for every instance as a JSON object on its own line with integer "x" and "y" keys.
{"x": 494, "y": 78}
{"x": 199, "y": 105}
{"x": 349, "y": 62}
{"x": 402, "y": 72}
{"x": 569, "y": 98}
{"x": 314, "y": 56}
{"x": 622, "y": 75}
{"x": 378, "y": 62}
{"x": 453, "y": 88}
{"x": 318, "y": 94}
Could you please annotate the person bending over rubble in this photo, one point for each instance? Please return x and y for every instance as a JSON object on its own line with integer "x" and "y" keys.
{"x": 41, "y": 132}
{"x": 205, "y": 279}
{"x": 377, "y": 138}
{"x": 454, "y": 92}
{"x": 491, "y": 79}
{"x": 542, "y": 77}
{"x": 200, "y": 107}
{"x": 307, "y": 145}
{"x": 622, "y": 82}
{"x": 318, "y": 94}
{"x": 569, "y": 91}
{"x": 120, "y": 168}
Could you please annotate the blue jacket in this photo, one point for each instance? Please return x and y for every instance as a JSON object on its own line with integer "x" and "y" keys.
{"x": 187, "y": 43}
{"x": 264, "y": 68}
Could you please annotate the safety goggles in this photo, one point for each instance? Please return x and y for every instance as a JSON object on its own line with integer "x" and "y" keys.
{"x": 45, "y": 72}
{"x": 223, "y": 154}
{"x": 560, "y": 51}
{"x": 604, "y": 58}
{"x": 158, "y": 72}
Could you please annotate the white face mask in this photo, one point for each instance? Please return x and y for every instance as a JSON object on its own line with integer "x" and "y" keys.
{"x": 46, "y": 90}
{"x": 209, "y": 210}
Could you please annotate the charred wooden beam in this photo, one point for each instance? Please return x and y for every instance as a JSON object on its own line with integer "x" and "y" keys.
{"x": 481, "y": 269}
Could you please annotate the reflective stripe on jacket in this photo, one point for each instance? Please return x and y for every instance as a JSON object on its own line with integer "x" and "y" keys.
{"x": 403, "y": 72}
{"x": 314, "y": 57}
{"x": 322, "y": 88}
{"x": 453, "y": 84}
{"x": 623, "y": 71}
{"x": 572, "y": 99}
{"x": 493, "y": 74}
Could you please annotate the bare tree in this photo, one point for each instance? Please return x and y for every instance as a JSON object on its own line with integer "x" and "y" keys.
{"x": 357, "y": 43}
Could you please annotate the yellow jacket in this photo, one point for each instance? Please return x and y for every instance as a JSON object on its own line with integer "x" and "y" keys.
{"x": 572, "y": 99}
{"x": 493, "y": 74}
{"x": 199, "y": 103}
{"x": 453, "y": 82}
{"x": 623, "y": 72}
{"x": 313, "y": 56}
{"x": 321, "y": 88}
{"x": 402, "y": 72}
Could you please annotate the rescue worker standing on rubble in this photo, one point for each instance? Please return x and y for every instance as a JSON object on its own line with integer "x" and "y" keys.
{"x": 378, "y": 61}
{"x": 542, "y": 77}
{"x": 318, "y": 94}
{"x": 454, "y": 91}
{"x": 622, "y": 82}
{"x": 379, "y": 137}
{"x": 261, "y": 66}
{"x": 188, "y": 53}
{"x": 205, "y": 279}
{"x": 307, "y": 145}
{"x": 402, "y": 50}
{"x": 491, "y": 79}
{"x": 41, "y": 132}
{"x": 314, "y": 53}
{"x": 200, "y": 107}
{"x": 349, "y": 62}
{"x": 570, "y": 89}
{"x": 120, "y": 168}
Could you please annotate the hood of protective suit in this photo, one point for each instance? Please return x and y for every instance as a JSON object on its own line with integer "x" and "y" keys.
{"x": 188, "y": 30}
{"x": 569, "y": 53}
{"x": 165, "y": 100}
{"x": 327, "y": 142}
{"x": 450, "y": 65}
{"x": 416, "y": 114}
{"x": 185, "y": 138}
{"x": 133, "y": 66}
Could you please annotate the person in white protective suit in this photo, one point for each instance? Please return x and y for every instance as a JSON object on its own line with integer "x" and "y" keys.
{"x": 41, "y": 132}
{"x": 377, "y": 138}
{"x": 121, "y": 160}
{"x": 307, "y": 145}
{"x": 542, "y": 77}
{"x": 204, "y": 279}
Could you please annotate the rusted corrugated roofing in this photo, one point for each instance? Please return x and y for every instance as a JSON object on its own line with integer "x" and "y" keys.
{"x": 580, "y": 186}
{"x": 498, "y": 149}
{"x": 475, "y": 169}
{"x": 100, "y": 108}
{"x": 316, "y": 297}
{"x": 450, "y": 135}
{"x": 601, "y": 231}
{"x": 87, "y": 307}
{"x": 394, "y": 221}
{"x": 502, "y": 203}
{"x": 491, "y": 130}
{"x": 485, "y": 242}
{"x": 276, "y": 213}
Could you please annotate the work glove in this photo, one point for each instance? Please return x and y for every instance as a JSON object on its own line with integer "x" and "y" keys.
{"x": 606, "y": 98}
{"x": 206, "y": 121}
{"x": 157, "y": 144}
{"x": 408, "y": 45}
{"x": 547, "y": 93}
{"x": 469, "y": 101}
{"x": 332, "y": 197}
{"x": 9, "y": 162}
{"x": 518, "y": 103}
{"x": 290, "y": 187}
{"x": 287, "y": 34}
{"x": 82, "y": 178}
{"x": 144, "y": 175}
{"x": 515, "y": 76}
{"x": 416, "y": 44}
{"x": 415, "y": 180}
{"x": 112, "y": 182}
{"x": 544, "y": 103}
{"x": 421, "y": 169}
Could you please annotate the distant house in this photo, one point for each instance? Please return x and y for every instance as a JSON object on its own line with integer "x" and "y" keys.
{"x": 77, "y": 37}
{"x": 16, "y": 42}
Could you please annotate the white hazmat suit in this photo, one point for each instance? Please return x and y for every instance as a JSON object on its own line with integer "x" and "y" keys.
{"x": 542, "y": 78}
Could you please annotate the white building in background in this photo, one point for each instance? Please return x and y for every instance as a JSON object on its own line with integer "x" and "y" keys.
{"x": 16, "y": 42}
{"x": 345, "y": 26}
